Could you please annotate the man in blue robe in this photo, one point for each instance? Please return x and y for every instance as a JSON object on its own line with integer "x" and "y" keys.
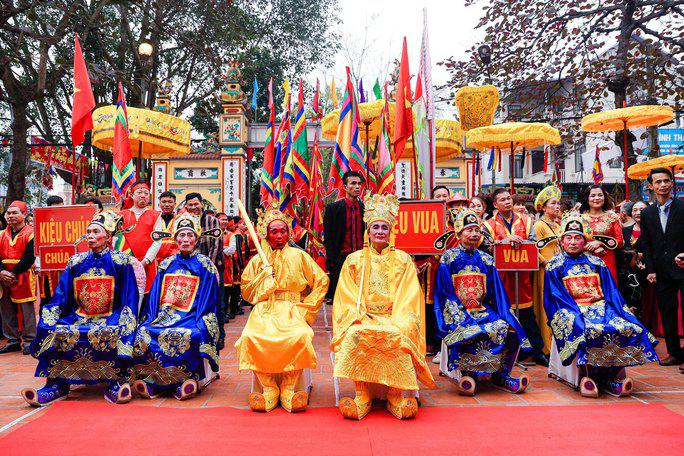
{"x": 176, "y": 344}
{"x": 589, "y": 318}
{"x": 86, "y": 331}
{"x": 473, "y": 313}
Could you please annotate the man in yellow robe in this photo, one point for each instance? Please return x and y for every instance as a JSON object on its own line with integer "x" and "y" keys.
{"x": 379, "y": 319}
{"x": 277, "y": 341}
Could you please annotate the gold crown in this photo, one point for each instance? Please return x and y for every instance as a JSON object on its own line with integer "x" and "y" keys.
{"x": 381, "y": 207}
{"x": 186, "y": 221}
{"x": 108, "y": 220}
{"x": 573, "y": 222}
{"x": 464, "y": 219}
{"x": 272, "y": 214}
{"x": 546, "y": 194}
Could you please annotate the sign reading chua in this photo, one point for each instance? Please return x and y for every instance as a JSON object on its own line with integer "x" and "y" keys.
{"x": 419, "y": 226}
{"x": 58, "y": 234}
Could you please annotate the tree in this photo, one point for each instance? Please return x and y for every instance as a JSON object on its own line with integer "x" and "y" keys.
{"x": 631, "y": 49}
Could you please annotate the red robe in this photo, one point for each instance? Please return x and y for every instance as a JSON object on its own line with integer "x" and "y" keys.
{"x": 168, "y": 245}
{"x": 499, "y": 231}
{"x": 11, "y": 251}
{"x": 228, "y": 273}
{"x": 607, "y": 224}
{"x": 139, "y": 239}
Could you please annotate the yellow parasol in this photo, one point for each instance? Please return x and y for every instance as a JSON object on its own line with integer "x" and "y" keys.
{"x": 512, "y": 136}
{"x": 641, "y": 170}
{"x": 448, "y": 138}
{"x": 477, "y": 105}
{"x": 624, "y": 119}
{"x": 369, "y": 116}
{"x": 151, "y": 133}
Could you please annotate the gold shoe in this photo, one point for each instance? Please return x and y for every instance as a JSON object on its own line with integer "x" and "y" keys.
{"x": 588, "y": 388}
{"x": 357, "y": 408}
{"x": 401, "y": 407}
{"x": 267, "y": 400}
{"x": 289, "y": 400}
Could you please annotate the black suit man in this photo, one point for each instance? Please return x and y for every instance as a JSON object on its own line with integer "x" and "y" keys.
{"x": 662, "y": 243}
{"x": 343, "y": 228}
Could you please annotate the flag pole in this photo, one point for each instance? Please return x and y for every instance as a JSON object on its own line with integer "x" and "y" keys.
{"x": 512, "y": 165}
{"x": 414, "y": 166}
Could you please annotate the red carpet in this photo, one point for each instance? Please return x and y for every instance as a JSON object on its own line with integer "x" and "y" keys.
{"x": 79, "y": 428}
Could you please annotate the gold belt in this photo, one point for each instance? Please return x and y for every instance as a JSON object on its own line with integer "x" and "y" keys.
{"x": 284, "y": 295}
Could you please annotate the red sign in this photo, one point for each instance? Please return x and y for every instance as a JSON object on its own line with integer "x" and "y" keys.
{"x": 58, "y": 234}
{"x": 507, "y": 258}
{"x": 419, "y": 224}
{"x": 59, "y": 157}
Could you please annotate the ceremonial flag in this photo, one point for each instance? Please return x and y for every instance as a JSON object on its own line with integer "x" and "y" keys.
{"x": 333, "y": 94}
{"x": 123, "y": 172}
{"x": 499, "y": 159}
{"x": 597, "y": 172}
{"x": 421, "y": 139}
{"x": 255, "y": 91}
{"x": 385, "y": 164}
{"x": 315, "y": 226}
{"x": 300, "y": 150}
{"x": 282, "y": 147}
{"x": 83, "y": 101}
{"x": 546, "y": 159}
{"x": 362, "y": 94}
{"x": 267, "y": 189}
{"x": 318, "y": 112}
{"x": 492, "y": 158}
{"x": 347, "y": 155}
{"x": 556, "y": 178}
{"x": 425, "y": 74}
{"x": 403, "y": 119}
{"x": 377, "y": 91}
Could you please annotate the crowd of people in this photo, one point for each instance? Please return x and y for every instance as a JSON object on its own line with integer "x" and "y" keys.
{"x": 144, "y": 308}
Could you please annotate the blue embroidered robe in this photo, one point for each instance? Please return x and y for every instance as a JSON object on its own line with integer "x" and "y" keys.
{"x": 85, "y": 333}
{"x": 589, "y": 317}
{"x": 180, "y": 327}
{"x": 474, "y": 315}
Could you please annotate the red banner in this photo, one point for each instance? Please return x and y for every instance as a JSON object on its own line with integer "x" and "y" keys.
{"x": 507, "y": 258}
{"x": 419, "y": 224}
{"x": 59, "y": 157}
{"x": 57, "y": 232}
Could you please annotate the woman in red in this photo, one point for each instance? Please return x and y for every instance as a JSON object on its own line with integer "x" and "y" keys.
{"x": 597, "y": 208}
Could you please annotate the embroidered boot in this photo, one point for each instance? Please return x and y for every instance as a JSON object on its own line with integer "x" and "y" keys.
{"x": 52, "y": 391}
{"x": 118, "y": 393}
{"x": 268, "y": 399}
{"x": 401, "y": 407}
{"x": 588, "y": 388}
{"x": 145, "y": 390}
{"x": 186, "y": 390}
{"x": 508, "y": 383}
{"x": 619, "y": 388}
{"x": 357, "y": 408}
{"x": 289, "y": 399}
{"x": 467, "y": 385}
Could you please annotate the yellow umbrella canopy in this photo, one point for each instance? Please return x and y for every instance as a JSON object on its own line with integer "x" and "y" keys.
{"x": 632, "y": 117}
{"x": 151, "y": 133}
{"x": 448, "y": 136}
{"x": 512, "y": 135}
{"x": 641, "y": 170}
{"x": 369, "y": 113}
{"x": 477, "y": 105}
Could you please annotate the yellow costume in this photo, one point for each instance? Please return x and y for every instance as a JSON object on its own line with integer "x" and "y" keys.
{"x": 379, "y": 321}
{"x": 547, "y": 232}
{"x": 277, "y": 341}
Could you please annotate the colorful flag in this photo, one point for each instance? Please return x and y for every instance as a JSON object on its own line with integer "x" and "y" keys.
{"x": 385, "y": 164}
{"x": 83, "y": 101}
{"x": 377, "y": 91}
{"x": 315, "y": 226}
{"x": 347, "y": 155}
{"x": 300, "y": 150}
{"x": 333, "y": 93}
{"x": 597, "y": 172}
{"x": 362, "y": 94}
{"x": 255, "y": 92}
{"x": 403, "y": 119}
{"x": 317, "y": 111}
{"x": 123, "y": 172}
{"x": 425, "y": 74}
{"x": 267, "y": 189}
{"x": 556, "y": 179}
{"x": 492, "y": 159}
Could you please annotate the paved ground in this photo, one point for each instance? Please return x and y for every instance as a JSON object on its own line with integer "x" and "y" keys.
{"x": 653, "y": 384}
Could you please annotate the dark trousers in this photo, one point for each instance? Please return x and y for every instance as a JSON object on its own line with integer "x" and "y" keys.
{"x": 528, "y": 321}
{"x": 233, "y": 299}
{"x": 219, "y": 312}
{"x": 668, "y": 300}
{"x": 431, "y": 338}
{"x": 334, "y": 275}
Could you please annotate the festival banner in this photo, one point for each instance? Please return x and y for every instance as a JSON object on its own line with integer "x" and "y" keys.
{"x": 420, "y": 224}
{"x": 58, "y": 234}
{"x": 58, "y": 156}
{"x": 507, "y": 258}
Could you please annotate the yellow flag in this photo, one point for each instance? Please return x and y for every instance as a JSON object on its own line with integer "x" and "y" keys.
{"x": 333, "y": 94}
{"x": 286, "y": 99}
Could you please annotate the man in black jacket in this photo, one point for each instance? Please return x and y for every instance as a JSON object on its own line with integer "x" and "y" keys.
{"x": 343, "y": 228}
{"x": 662, "y": 240}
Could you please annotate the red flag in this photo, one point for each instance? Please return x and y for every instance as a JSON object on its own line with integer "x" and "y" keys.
{"x": 316, "y": 105}
{"x": 123, "y": 173}
{"x": 403, "y": 118}
{"x": 546, "y": 159}
{"x": 267, "y": 173}
{"x": 84, "y": 101}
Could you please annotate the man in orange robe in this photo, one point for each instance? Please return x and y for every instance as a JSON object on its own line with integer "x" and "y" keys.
{"x": 167, "y": 204}
{"x": 508, "y": 227}
{"x": 17, "y": 279}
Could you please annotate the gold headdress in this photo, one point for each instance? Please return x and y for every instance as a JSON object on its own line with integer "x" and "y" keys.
{"x": 271, "y": 214}
{"x": 186, "y": 221}
{"x": 381, "y": 207}
{"x": 110, "y": 221}
{"x": 573, "y": 223}
{"x": 546, "y": 194}
{"x": 466, "y": 218}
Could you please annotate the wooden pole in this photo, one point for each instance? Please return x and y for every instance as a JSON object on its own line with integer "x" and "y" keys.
{"x": 511, "y": 165}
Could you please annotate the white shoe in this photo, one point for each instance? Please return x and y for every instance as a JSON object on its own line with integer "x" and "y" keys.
{"x": 437, "y": 357}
